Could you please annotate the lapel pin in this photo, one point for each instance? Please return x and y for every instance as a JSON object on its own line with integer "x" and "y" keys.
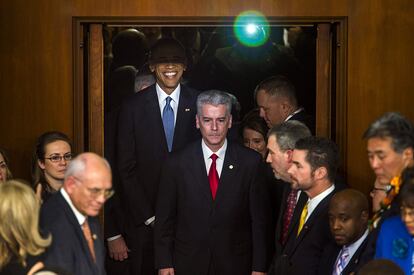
{"x": 231, "y": 166}
{"x": 187, "y": 110}
{"x": 94, "y": 236}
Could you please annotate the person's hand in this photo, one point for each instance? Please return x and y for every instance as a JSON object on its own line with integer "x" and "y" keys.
{"x": 166, "y": 271}
{"x": 258, "y": 273}
{"x": 118, "y": 249}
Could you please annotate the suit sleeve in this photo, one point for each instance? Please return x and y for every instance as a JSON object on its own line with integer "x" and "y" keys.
{"x": 166, "y": 210}
{"x": 260, "y": 216}
{"x": 133, "y": 188}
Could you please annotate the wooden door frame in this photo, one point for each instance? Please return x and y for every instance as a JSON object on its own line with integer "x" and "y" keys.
{"x": 90, "y": 117}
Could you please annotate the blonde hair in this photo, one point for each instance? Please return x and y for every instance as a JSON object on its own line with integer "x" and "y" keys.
{"x": 19, "y": 226}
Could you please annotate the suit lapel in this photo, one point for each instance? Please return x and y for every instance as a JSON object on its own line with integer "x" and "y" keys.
{"x": 200, "y": 172}
{"x": 228, "y": 173}
{"x": 353, "y": 263}
{"x": 78, "y": 230}
{"x": 184, "y": 117}
{"x": 153, "y": 114}
{"x": 311, "y": 220}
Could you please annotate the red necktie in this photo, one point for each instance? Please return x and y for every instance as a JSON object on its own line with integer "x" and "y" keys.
{"x": 287, "y": 217}
{"x": 213, "y": 176}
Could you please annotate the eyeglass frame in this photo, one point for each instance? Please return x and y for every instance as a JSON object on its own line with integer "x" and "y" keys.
{"x": 96, "y": 192}
{"x": 58, "y": 158}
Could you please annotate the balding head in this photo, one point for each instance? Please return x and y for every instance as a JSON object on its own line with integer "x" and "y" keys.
{"x": 88, "y": 182}
{"x": 348, "y": 216}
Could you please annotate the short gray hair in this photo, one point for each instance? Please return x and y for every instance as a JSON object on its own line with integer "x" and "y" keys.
{"x": 288, "y": 133}
{"x": 215, "y": 98}
{"x": 395, "y": 126}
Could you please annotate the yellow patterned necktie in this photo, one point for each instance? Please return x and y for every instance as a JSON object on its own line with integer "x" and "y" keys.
{"x": 303, "y": 217}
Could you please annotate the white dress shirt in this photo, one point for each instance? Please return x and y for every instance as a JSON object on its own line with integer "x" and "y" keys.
{"x": 79, "y": 216}
{"x": 221, "y": 153}
{"x": 314, "y": 202}
{"x": 175, "y": 96}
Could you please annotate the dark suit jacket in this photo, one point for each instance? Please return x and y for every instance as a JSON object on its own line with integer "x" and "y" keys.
{"x": 330, "y": 254}
{"x": 193, "y": 232}
{"x": 306, "y": 119}
{"x": 142, "y": 148}
{"x": 302, "y": 253}
{"x": 69, "y": 249}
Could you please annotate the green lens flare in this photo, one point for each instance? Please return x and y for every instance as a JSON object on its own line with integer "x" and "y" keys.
{"x": 251, "y": 28}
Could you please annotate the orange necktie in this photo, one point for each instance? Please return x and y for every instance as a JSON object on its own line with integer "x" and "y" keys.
{"x": 88, "y": 236}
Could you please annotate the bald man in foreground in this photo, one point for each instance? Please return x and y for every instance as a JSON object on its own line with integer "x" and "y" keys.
{"x": 348, "y": 221}
{"x": 71, "y": 216}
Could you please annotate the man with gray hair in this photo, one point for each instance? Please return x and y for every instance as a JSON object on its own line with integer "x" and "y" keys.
{"x": 281, "y": 142}
{"x": 71, "y": 217}
{"x": 212, "y": 207}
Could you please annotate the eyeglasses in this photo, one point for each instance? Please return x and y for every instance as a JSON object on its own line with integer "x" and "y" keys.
{"x": 385, "y": 189}
{"x": 407, "y": 211}
{"x": 3, "y": 165}
{"x": 96, "y": 192}
{"x": 58, "y": 158}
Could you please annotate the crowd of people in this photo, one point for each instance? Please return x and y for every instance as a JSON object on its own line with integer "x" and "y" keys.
{"x": 192, "y": 197}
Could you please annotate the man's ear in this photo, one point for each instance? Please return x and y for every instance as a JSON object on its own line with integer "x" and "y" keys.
{"x": 70, "y": 184}
{"x": 407, "y": 156}
{"x": 197, "y": 122}
{"x": 321, "y": 172}
{"x": 289, "y": 154}
{"x": 230, "y": 121}
{"x": 152, "y": 68}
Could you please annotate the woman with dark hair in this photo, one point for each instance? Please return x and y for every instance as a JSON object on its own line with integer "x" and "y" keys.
{"x": 396, "y": 238}
{"x": 254, "y": 132}
{"x": 52, "y": 154}
{"x": 5, "y": 173}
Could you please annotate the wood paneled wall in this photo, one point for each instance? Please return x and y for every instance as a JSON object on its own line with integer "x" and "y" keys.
{"x": 36, "y": 77}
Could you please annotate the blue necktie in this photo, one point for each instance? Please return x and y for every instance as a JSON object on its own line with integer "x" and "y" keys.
{"x": 168, "y": 122}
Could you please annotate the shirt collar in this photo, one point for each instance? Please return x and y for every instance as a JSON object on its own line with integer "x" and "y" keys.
{"x": 175, "y": 95}
{"x": 314, "y": 202}
{"x": 353, "y": 247}
{"x": 79, "y": 216}
{"x": 294, "y": 113}
{"x": 207, "y": 151}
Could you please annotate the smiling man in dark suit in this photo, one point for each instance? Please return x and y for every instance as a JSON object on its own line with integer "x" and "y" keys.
{"x": 152, "y": 123}
{"x": 211, "y": 207}
{"x": 71, "y": 217}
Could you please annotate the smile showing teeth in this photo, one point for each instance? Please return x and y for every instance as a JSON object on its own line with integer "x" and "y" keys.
{"x": 170, "y": 74}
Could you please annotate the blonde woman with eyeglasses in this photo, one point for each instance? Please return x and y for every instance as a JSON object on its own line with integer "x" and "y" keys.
{"x": 51, "y": 156}
{"x": 21, "y": 244}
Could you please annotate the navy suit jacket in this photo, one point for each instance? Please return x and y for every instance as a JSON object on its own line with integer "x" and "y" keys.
{"x": 331, "y": 252}
{"x": 302, "y": 253}
{"x": 142, "y": 148}
{"x": 193, "y": 232}
{"x": 69, "y": 249}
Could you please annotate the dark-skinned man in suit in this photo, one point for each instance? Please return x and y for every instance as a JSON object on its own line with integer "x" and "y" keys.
{"x": 152, "y": 123}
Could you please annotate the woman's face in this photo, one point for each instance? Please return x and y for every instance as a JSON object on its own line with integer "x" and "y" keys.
{"x": 407, "y": 216}
{"x": 255, "y": 141}
{"x": 3, "y": 169}
{"x": 55, "y": 169}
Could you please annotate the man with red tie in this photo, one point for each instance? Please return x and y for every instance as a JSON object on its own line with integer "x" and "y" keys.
{"x": 211, "y": 208}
